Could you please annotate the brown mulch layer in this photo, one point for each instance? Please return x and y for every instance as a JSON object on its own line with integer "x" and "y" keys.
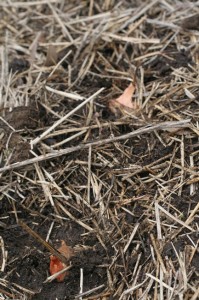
{"x": 118, "y": 185}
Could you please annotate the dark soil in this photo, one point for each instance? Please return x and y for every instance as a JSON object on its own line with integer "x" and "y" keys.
{"x": 128, "y": 178}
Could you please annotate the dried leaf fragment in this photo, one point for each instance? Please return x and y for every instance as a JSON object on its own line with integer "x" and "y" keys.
{"x": 51, "y": 58}
{"x": 124, "y": 102}
{"x": 65, "y": 250}
{"x": 56, "y": 265}
{"x": 125, "y": 98}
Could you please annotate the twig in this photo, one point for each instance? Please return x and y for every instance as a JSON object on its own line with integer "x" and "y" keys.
{"x": 45, "y": 133}
{"x": 89, "y": 292}
{"x": 43, "y": 242}
{"x": 147, "y": 129}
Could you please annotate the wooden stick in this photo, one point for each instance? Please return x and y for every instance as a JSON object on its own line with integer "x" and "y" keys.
{"x": 146, "y": 129}
{"x": 43, "y": 242}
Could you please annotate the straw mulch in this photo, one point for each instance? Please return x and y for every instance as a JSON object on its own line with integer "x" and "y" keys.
{"x": 117, "y": 183}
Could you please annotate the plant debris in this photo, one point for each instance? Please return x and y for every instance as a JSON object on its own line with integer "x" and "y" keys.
{"x": 56, "y": 265}
{"x": 124, "y": 102}
{"x": 99, "y": 149}
{"x": 51, "y": 58}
